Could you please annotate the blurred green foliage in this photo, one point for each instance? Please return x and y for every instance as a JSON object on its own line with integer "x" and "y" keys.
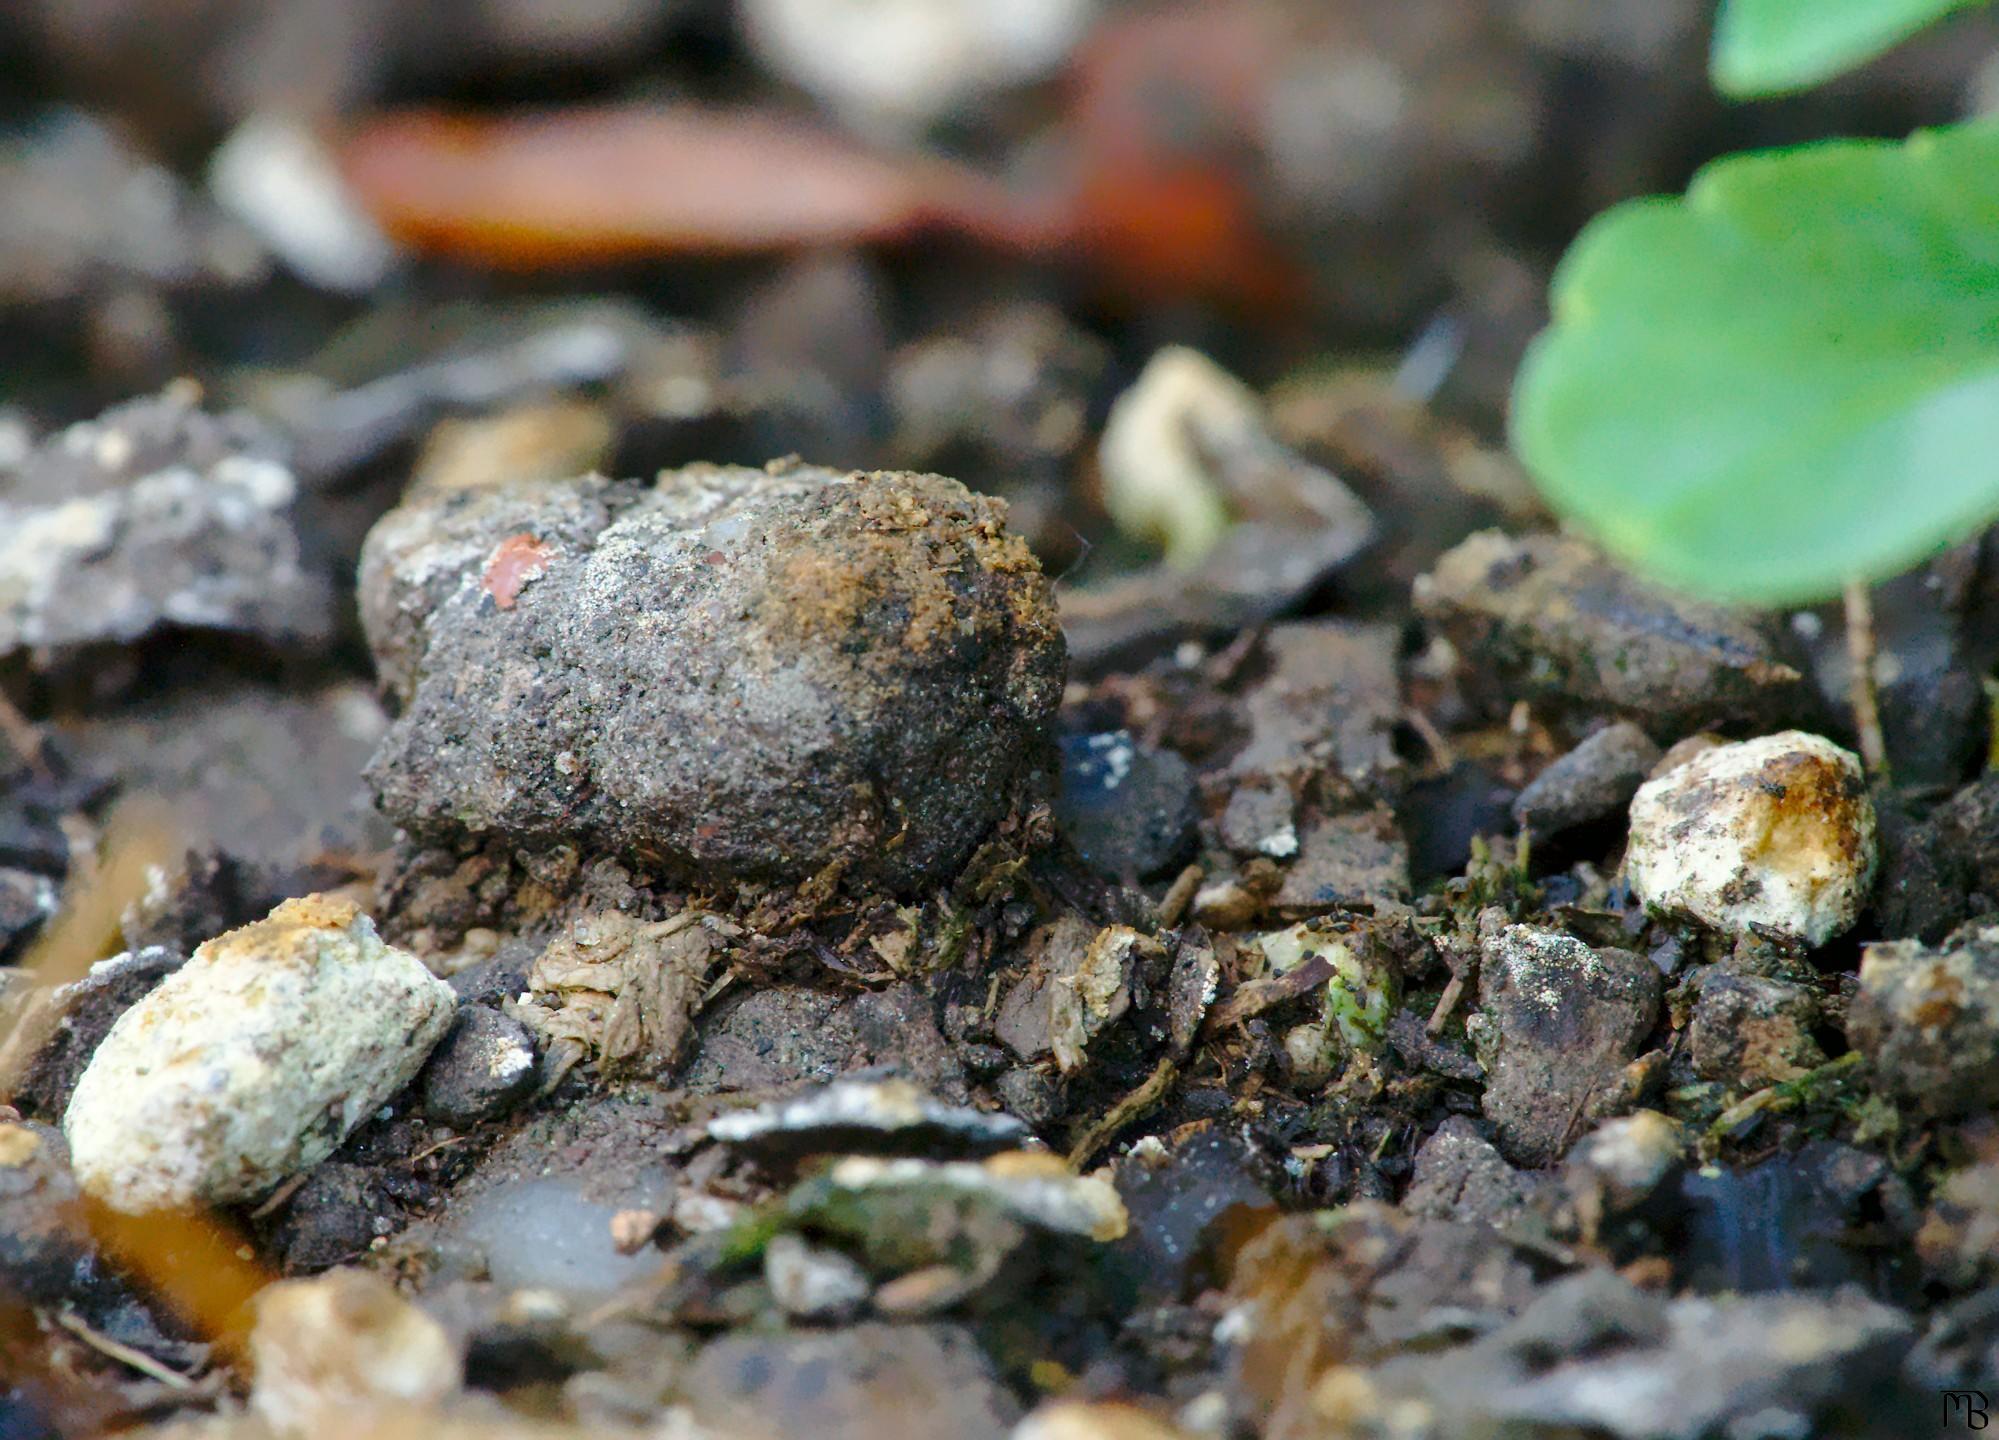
{"x": 1770, "y": 47}
{"x": 1789, "y": 378}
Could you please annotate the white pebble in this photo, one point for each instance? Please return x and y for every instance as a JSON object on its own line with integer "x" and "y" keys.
{"x": 336, "y": 1352}
{"x": 1774, "y": 836}
{"x": 253, "y": 1061}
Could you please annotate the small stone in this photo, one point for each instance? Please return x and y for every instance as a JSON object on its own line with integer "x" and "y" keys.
{"x": 1006, "y": 395}
{"x": 696, "y": 1212}
{"x": 1813, "y": 1212}
{"x": 1031, "y": 1095}
{"x": 1773, "y": 836}
{"x": 1547, "y": 619}
{"x": 1591, "y": 783}
{"x": 862, "y": 1382}
{"x": 1630, "y": 1156}
{"x": 809, "y": 1283}
{"x": 280, "y": 178}
{"x": 1619, "y": 1182}
{"x": 1228, "y": 903}
{"x": 90, "y": 216}
{"x": 1186, "y": 1200}
{"x": 1358, "y": 859}
{"x": 1460, "y": 1175}
{"x": 43, "y": 1233}
{"x": 1078, "y": 983}
{"x": 1593, "y": 1355}
{"x": 1941, "y": 870}
{"x": 154, "y": 515}
{"x": 1557, "y": 1024}
{"x": 866, "y": 1117}
{"x": 633, "y": 1230}
{"x": 482, "y": 1067}
{"x": 1928, "y": 1020}
{"x": 897, "y": 69}
{"x": 342, "y": 1351}
{"x": 1095, "y": 1420}
{"x": 27, "y": 902}
{"x": 1329, "y": 703}
{"x": 1127, "y": 808}
{"x": 744, "y": 674}
{"x": 253, "y": 1061}
{"x": 1752, "y": 1031}
{"x": 1261, "y": 818}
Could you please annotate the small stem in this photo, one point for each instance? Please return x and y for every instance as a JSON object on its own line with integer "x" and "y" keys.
{"x": 1860, "y": 682}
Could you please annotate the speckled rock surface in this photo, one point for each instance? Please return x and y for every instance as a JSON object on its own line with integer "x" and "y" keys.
{"x": 1772, "y": 836}
{"x": 1753, "y": 1030}
{"x": 253, "y": 1061}
{"x": 1928, "y": 1020}
{"x": 154, "y": 514}
{"x": 485, "y": 1065}
{"x": 739, "y": 674}
{"x": 1558, "y": 1021}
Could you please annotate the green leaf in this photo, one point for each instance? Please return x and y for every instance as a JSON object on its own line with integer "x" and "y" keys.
{"x": 1786, "y": 380}
{"x": 1770, "y": 47}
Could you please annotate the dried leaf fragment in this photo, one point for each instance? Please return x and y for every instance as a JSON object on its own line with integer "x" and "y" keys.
{"x": 623, "y": 990}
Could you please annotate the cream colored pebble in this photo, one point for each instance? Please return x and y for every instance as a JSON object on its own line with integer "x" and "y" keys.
{"x": 253, "y": 1061}
{"x": 1774, "y": 835}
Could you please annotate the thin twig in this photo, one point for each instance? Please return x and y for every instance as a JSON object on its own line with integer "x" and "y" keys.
{"x": 1784, "y": 1095}
{"x": 1448, "y": 1001}
{"x": 1442, "y": 753}
{"x": 1149, "y": 1093}
{"x": 430, "y": 1150}
{"x": 278, "y": 1196}
{"x": 1861, "y": 693}
{"x": 124, "y": 1354}
{"x": 1179, "y": 895}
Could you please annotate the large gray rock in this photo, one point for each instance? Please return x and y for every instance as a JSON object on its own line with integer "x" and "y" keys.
{"x": 734, "y": 673}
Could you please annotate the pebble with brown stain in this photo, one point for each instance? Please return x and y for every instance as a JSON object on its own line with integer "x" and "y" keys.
{"x": 1773, "y": 836}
